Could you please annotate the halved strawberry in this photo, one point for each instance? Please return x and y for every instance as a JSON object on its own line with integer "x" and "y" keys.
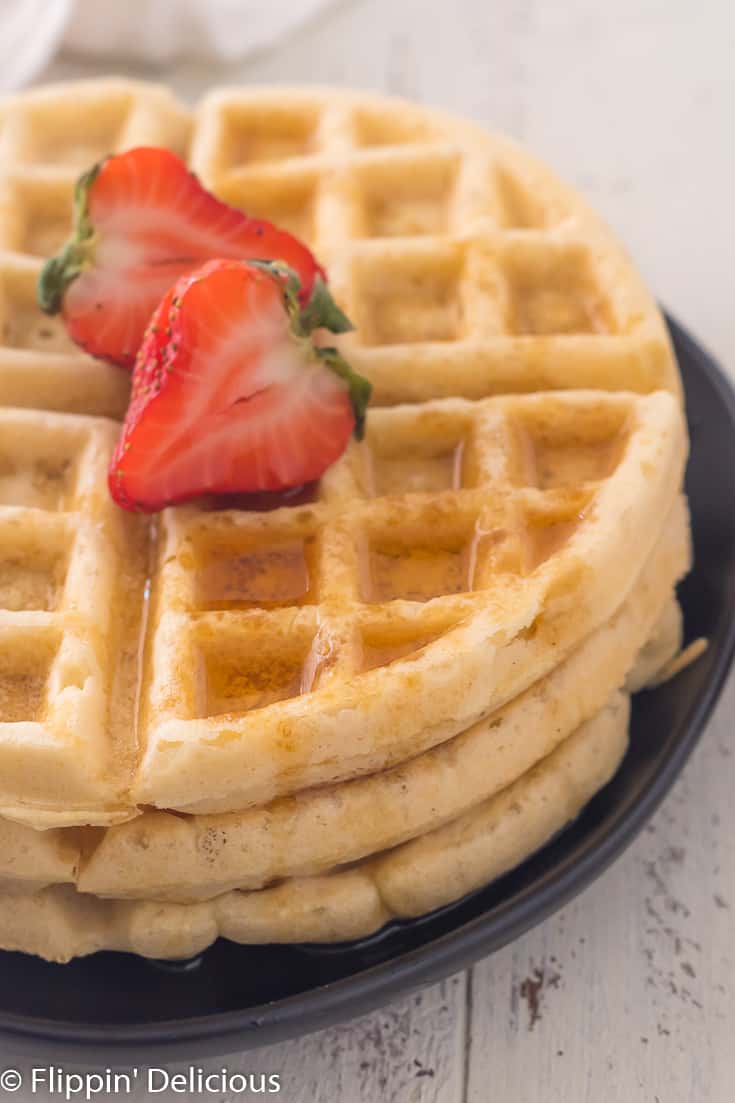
{"x": 141, "y": 221}
{"x": 230, "y": 392}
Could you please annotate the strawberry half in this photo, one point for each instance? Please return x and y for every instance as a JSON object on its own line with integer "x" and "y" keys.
{"x": 141, "y": 221}
{"x": 231, "y": 394}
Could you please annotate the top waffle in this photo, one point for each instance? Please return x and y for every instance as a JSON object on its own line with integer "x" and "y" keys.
{"x": 449, "y": 561}
{"x": 214, "y": 659}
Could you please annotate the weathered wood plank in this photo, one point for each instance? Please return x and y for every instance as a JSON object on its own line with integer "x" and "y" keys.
{"x": 405, "y": 1053}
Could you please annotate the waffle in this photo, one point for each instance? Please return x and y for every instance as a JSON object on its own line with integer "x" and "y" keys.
{"x": 310, "y": 644}
{"x": 663, "y": 648}
{"x": 72, "y": 574}
{"x": 59, "y": 923}
{"x": 170, "y": 857}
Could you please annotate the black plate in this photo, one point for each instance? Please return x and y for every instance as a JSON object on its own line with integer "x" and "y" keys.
{"x": 118, "y": 1007}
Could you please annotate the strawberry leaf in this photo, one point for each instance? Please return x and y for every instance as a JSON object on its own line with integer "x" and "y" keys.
{"x": 359, "y": 389}
{"x": 61, "y": 270}
{"x": 322, "y": 311}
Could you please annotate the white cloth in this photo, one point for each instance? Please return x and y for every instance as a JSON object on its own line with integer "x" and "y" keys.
{"x": 156, "y": 31}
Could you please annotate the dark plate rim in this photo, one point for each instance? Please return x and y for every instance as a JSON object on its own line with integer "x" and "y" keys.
{"x": 358, "y": 993}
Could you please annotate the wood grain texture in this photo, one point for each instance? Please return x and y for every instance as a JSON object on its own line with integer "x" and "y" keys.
{"x": 629, "y": 993}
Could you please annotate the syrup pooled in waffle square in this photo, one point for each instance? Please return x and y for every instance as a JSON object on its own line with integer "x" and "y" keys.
{"x": 447, "y": 563}
{"x": 72, "y": 572}
{"x": 467, "y": 268}
{"x": 48, "y": 137}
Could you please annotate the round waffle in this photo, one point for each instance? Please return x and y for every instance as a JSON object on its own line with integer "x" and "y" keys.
{"x": 312, "y": 643}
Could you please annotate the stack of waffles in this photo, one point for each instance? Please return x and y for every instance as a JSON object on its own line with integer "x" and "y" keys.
{"x": 297, "y": 724}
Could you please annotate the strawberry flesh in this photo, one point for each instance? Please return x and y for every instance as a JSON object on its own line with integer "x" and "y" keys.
{"x": 230, "y": 393}
{"x": 142, "y": 221}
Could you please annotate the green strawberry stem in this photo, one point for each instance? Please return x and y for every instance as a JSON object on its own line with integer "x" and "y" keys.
{"x": 358, "y": 388}
{"x": 61, "y": 270}
{"x": 321, "y": 312}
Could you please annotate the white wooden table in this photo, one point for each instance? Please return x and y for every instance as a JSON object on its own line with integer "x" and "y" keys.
{"x": 629, "y": 993}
